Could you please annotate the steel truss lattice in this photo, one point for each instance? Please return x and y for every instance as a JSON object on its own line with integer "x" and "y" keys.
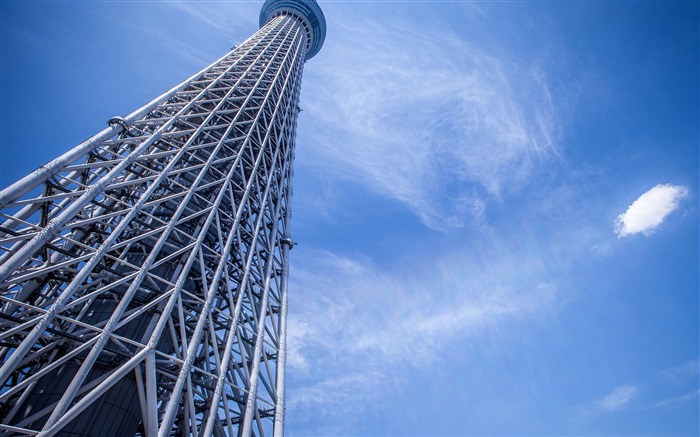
{"x": 143, "y": 274}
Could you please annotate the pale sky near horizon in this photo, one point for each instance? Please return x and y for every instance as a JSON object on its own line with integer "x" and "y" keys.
{"x": 496, "y": 203}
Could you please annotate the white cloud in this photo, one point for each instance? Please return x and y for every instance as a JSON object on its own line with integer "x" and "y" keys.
{"x": 355, "y": 325}
{"x": 687, "y": 397}
{"x": 682, "y": 372}
{"x": 338, "y": 394}
{"x": 425, "y": 118}
{"x": 618, "y": 398}
{"x": 297, "y": 333}
{"x": 366, "y": 310}
{"x": 650, "y": 210}
{"x": 342, "y": 397}
{"x": 222, "y": 17}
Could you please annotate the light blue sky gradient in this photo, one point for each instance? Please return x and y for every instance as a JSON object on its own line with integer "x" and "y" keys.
{"x": 471, "y": 258}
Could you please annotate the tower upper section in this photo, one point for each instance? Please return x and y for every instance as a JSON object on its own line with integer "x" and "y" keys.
{"x": 309, "y": 12}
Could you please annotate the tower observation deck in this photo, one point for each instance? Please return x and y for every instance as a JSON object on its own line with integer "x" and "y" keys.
{"x": 143, "y": 274}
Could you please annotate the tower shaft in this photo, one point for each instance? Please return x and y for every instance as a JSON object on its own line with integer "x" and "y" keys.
{"x": 143, "y": 274}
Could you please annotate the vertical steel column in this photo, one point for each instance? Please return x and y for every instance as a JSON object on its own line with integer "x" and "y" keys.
{"x": 143, "y": 274}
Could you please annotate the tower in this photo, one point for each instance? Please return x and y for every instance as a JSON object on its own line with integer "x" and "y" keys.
{"x": 143, "y": 274}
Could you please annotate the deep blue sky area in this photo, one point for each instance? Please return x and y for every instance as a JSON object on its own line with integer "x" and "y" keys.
{"x": 496, "y": 203}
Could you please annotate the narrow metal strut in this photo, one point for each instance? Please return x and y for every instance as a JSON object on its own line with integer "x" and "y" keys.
{"x": 143, "y": 274}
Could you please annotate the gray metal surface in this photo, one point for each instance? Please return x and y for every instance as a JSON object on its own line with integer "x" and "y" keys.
{"x": 143, "y": 274}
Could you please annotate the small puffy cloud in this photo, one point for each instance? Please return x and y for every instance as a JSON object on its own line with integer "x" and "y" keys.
{"x": 618, "y": 398}
{"x": 650, "y": 210}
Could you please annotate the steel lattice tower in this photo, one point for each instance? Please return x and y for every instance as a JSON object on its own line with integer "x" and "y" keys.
{"x": 143, "y": 274}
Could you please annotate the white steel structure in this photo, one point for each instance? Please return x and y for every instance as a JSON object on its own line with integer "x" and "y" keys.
{"x": 143, "y": 274}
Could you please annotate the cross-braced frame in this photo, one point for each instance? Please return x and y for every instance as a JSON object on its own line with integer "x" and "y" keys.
{"x": 143, "y": 274}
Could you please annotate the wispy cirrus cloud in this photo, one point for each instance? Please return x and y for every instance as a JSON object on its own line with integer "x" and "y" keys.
{"x": 686, "y": 397}
{"x": 223, "y": 17}
{"x": 427, "y": 119}
{"x": 366, "y": 309}
{"x": 353, "y": 325}
{"x": 673, "y": 385}
{"x": 618, "y": 398}
{"x": 650, "y": 210}
{"x": 690, "y": 370}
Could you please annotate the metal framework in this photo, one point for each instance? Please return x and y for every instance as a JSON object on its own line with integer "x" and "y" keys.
{"x": 143, "y": 274}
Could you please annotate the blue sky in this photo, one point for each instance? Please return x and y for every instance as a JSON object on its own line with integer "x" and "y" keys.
{"x": 496, "y": 203}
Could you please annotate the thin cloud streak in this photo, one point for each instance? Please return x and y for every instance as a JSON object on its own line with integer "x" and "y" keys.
{"x": 222, "y": 16}
{"x": 690, "y": 370}
{"x": 687, "y": 397}
{"x": 618, "y": 398}
{"x": 435, "y": 122}
{"x": 681, "y": 376}
{"x": 165, "y": 38}
{"x": 373, "y": 311}
{"x": 368, "y": 320}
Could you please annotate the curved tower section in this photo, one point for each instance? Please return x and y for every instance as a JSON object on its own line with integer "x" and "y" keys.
{"x": 306, "y": 10}
{"x": 143, "y": 274}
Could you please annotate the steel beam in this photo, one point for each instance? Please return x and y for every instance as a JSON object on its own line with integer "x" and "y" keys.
{"x": 143, "y": 274}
